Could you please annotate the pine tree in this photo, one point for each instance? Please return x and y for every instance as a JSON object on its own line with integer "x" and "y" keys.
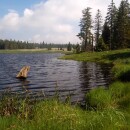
{"x": 98, "y": 26}
{"x": 69, "y": 47}
{"x": 106, "y": 34}
{"x": 123, "y": 24}
{"x": 101, "y": 46}
{"x": 85, "y": 29}
{"x": 110, "y": 20}
{"x": 77, "y": 48}
{"x": 127, "y": 36}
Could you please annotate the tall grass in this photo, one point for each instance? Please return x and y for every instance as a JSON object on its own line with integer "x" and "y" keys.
{"x": 100, "y": 99}
{"x": 53, "y": 115}
{"x": 115, "y": 98}
{"x": 104, "y": 111}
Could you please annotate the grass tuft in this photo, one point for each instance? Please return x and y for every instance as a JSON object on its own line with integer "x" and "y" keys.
{"x": 100, "y": 98}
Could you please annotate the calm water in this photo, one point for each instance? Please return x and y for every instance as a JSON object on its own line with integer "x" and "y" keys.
{"x": 48, "y": 74}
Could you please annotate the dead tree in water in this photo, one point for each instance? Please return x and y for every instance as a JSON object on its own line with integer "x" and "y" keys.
{"x": 23, "y": 72}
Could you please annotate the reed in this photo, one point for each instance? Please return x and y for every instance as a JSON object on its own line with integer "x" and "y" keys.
{"x": 18, "y": 113}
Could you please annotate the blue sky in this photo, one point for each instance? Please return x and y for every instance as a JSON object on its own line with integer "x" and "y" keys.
{"x": 18, "y": 5}
{"x": 55, "y": 21}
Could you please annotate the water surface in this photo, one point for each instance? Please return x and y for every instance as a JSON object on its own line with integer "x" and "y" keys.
{"x": 49, "y": 74}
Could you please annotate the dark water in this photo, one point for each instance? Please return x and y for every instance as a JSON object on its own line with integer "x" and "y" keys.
{"x": 49, "y": 74}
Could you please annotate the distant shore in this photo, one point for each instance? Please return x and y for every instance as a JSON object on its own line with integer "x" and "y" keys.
{"x": 15, "y": 51}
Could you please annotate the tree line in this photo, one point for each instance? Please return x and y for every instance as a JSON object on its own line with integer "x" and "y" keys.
{"x": 113, "y": 33}
{"x": 13, "y": 44}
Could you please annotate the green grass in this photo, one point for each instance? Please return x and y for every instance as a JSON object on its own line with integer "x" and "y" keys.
{"x": 117, "y": 97}
{"x": 54, "y": 115}
{"x": 100, "y": 99}
{"x": 105, "y": 57}
{"x": 106, "y": 109}
{"x": 17, "y": 51}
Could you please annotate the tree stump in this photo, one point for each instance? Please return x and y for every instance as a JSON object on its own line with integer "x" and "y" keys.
{"x": 23, "y": 72}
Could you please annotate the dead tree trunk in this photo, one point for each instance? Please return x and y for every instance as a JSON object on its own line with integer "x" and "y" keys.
{"x": 23, "y": 72}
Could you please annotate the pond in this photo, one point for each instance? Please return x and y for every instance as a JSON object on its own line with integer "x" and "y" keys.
{"x": 50, "y": 75}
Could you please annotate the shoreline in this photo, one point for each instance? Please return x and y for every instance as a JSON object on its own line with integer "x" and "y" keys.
{"x": 28, "y": 51}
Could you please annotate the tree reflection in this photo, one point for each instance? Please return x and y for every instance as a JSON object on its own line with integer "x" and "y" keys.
{"x": 24, "y": 84}
{"x": 93, "y": 75}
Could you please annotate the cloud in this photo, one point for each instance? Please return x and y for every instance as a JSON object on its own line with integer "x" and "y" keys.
{"x": 28, "y": 13}
{"x": 51, "y": 21}
{"x": 10, "y": 21}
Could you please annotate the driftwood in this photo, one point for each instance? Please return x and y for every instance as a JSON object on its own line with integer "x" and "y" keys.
{"x": 23, "y": 72}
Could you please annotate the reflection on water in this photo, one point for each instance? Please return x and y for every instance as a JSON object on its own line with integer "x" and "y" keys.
{"x": 50, "y": 75}
{"x": 93, "y": 75}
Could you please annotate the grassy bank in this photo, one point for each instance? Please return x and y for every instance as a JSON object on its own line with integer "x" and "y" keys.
{"x": 118, "y": 94}
{"x": 103, "y": 112}
{"x": 105, "y": 57}
{"x": 17, "y": 51}
{"x": 106, "y": 109}
{"x": 119, "y": 58}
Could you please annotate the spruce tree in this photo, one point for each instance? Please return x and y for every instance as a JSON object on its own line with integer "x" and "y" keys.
{"x": 98, "y": 26}
{"x": 106, "y": 34}
{"x": 123, "y": 24}
{"x": 110, "y": 20}
{"x": 69, "y": 47}
{"x": 85, "y": 29}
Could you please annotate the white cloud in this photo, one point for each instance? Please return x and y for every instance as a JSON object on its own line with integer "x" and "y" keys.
{"x": 28, "y": 13}
{"x": 10, "y": 21}
{"x": 51, "y": 21}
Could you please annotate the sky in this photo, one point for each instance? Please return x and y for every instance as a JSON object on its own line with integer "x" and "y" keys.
{"x": 51, "y": 21}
